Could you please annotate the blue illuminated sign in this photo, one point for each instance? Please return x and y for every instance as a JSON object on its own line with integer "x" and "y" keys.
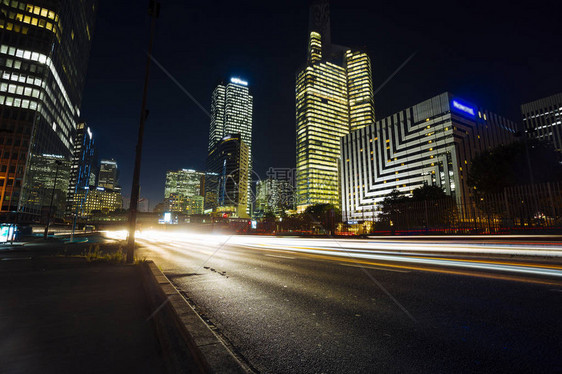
{"x": 463, "y": 108}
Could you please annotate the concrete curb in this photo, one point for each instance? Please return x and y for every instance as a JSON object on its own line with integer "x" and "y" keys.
{"x": 188, "y": 344}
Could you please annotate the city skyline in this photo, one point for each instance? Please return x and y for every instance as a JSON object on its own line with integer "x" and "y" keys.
{"x": 441, "y": 63}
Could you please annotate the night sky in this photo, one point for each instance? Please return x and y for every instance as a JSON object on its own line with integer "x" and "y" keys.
{"x": 494, "y": 53}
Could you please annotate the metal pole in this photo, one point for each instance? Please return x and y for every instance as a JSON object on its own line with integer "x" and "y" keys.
{"x": 46, "y": 233}
{"x": 153, "y": 11}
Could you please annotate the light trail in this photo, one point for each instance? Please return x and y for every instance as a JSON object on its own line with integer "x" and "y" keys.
{"x": 404, "y": 254}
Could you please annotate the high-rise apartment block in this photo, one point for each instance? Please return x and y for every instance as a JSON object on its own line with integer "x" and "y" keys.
{"x": 543, "y": 120}
{"x": 334, "y": 95}
{"x": 431, "y": 143}
{"x": 44, "y": 51}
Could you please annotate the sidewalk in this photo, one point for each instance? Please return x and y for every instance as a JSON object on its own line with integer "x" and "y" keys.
{"x": 64, "y": 315}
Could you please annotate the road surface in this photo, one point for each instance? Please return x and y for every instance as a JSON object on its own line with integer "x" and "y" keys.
{"x": 377, "y": 305}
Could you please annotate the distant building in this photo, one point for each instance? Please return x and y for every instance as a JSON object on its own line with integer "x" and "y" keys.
{"x": 51, "y": 176}
{"x": 334, "y": 95}
{"x": 273, "y": 195}
{"x": 543, "y": 120}
{"x": 184, "y": 190}
{"x": 81, "y": 168}
{"x": 108, "y": 176}
{"x": 231, "y": 113}
{"x": 431, "y": 143}
{"x": 227, "y": 181}
{"x": 97, "y": 199}
{"x": 44, "y": 52}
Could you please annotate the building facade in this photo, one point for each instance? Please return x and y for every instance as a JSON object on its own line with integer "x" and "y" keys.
{"x": 542, "y": 120}
{"x": 231, "y": 112}
{"x": 226, "y": 184}
{"x": 108, "y": 175}
{"x": 431, "y": 143}
{"x": 273, "y": 196}
{"x": 44, "y": 51}
{"x": 82, "y": 163}
{"x": 184, "y": 190}
{"x": 334, "y": 95}
{"x": 91, "y": 200}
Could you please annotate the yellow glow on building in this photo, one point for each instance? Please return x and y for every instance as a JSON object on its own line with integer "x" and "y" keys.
{"x": 360, "y": 89}
{"x": 331, "y": 101}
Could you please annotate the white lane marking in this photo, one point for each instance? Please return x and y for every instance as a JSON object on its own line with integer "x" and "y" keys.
{"x": 373, "y": 267}
{"x": 279, "y": 256}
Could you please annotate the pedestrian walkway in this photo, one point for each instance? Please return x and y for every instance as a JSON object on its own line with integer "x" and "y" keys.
{"x": 64, "y": 315}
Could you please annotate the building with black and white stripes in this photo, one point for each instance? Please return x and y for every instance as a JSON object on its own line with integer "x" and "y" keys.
{"x": 431, "y": 143}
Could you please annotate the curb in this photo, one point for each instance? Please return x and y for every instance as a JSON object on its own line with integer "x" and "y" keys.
{"x": 188, "y": 344}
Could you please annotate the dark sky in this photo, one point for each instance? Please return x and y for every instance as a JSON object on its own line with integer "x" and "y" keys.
{"x": 494, "y": 53}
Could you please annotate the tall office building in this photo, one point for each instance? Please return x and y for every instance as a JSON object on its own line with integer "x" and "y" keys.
{"x": 543, "y": 120}
{"x": 334, "y": 95}
{"x": 231, "y": 113}
{"x": 44, "y": 51}
{"x": 226, "y": 182}
{"x": 81, "y": 167}
{"x": 108, "y": 176}
{"x": 431, "y": 143}
{"x": 184, "y": 190}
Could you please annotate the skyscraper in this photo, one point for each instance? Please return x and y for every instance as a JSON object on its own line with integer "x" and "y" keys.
{"x": 81, "y": 167}
{"x": 108, "y": 175}
{"x": 334, "y": 95}
{"x": 543, "y": 120}
{"x": 226, "y": 182}
{"x": 231, "y": 113}
{"x": 44, "y": 51}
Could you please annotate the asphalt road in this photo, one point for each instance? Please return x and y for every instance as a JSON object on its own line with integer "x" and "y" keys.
{"x": 327, "y": 306}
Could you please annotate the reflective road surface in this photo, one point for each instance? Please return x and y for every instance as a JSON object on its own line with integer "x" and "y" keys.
{"x": 290, "y": 305}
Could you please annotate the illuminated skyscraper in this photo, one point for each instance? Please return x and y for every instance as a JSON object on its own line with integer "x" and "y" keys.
{"x": 44, "y": 50}
{"x": 226, "y": 182}
{"x": 334, "y": 95}
{"x": 82, "y": 163}
{"x": 231, "y": 113}
{"x": 108, "y": 176}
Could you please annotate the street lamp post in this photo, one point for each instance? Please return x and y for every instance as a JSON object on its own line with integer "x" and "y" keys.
{"x": 46, "y": 233}
{"x": 153, "y": 11}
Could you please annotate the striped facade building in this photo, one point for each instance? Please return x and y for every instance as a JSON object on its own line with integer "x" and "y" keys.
{"x": 543, "y": 120}
{"x": 431, "y": 143}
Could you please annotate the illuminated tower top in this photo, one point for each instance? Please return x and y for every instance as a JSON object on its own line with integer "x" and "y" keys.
{"x": 319, "y": 21}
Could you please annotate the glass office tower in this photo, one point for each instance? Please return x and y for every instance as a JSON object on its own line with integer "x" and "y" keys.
{"x": 44, "y": 51}
{"x": 231, "y": 113}
{"x": 334, "y": 95}
{"x": 81, "y": 167}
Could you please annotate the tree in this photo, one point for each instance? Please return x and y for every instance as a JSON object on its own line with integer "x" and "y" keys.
{"x": 327, "y": 215}
{"x": 514, "y": 164}
{"x": 428, "y": 207}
